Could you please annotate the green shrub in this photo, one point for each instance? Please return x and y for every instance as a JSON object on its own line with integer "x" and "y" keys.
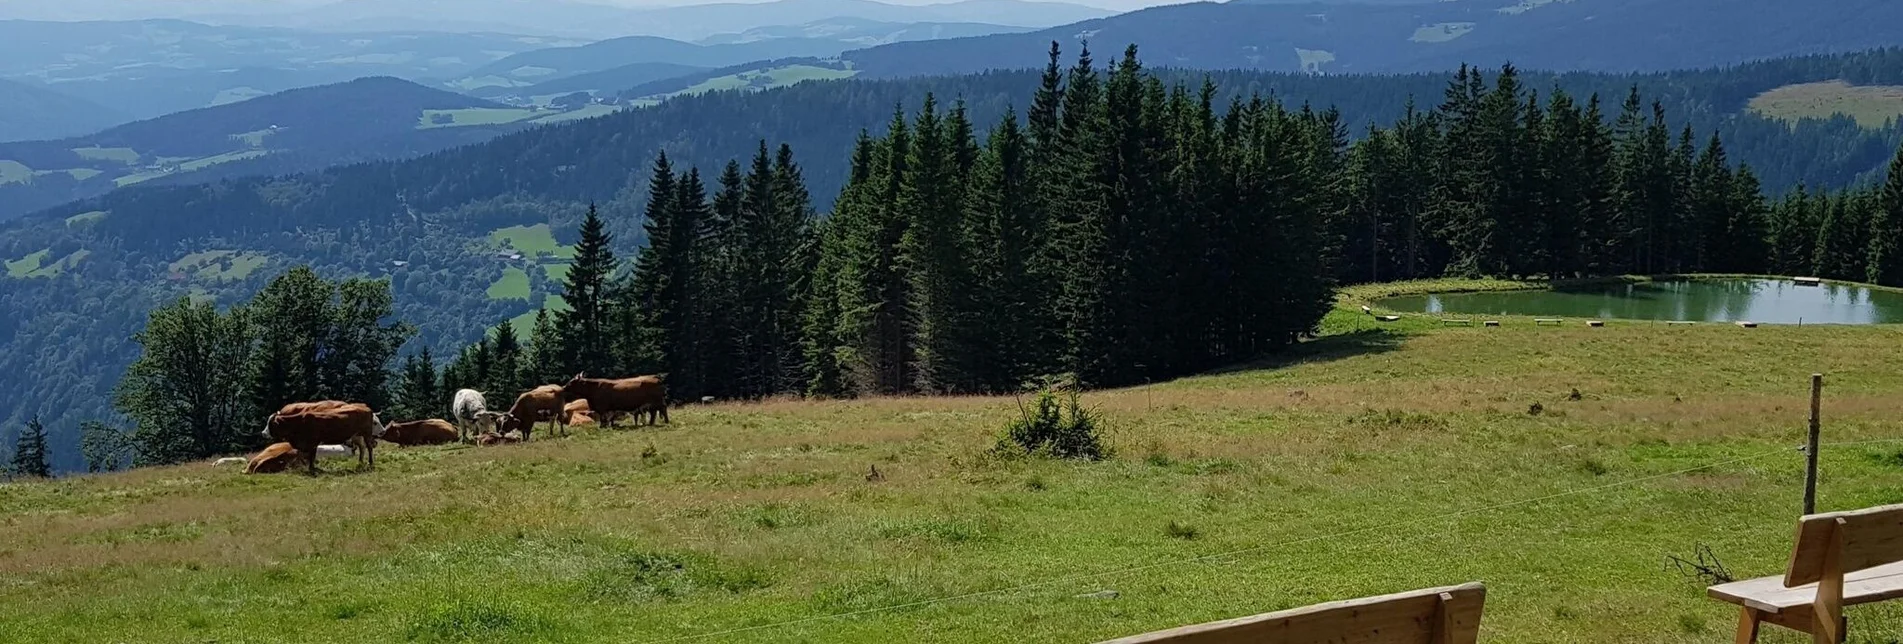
{"x": 1059, "y": 428}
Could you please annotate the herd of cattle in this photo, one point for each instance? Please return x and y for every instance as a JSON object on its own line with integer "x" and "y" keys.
{"x": 305, "y": 430}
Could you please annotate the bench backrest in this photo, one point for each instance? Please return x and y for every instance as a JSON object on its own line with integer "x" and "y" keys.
{"x": 1434, "y": 616}
{"x": 1870, "y": 537}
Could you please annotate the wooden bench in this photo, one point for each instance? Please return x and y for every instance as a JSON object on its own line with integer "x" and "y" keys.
{"x": 1540, "y": 321}
{"x": 1448, "y": 615}
{"x": 1461, "y": 322}
{"x": 1841, "y": 559}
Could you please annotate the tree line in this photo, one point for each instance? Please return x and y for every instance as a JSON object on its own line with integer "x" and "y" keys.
{"x": 1123, "y": 230}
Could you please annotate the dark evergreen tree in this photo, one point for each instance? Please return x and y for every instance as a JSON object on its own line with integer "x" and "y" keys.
{"x": 1885, "y": 261}
{"x": 30, "y": 456}
{"x": 419, "y": 393}
{"x": 583, "y": 328}
{"x": 505, "y": 366}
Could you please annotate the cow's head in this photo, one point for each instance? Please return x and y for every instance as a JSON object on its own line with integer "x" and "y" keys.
{"x": 268, "y": 422}
{"x": 487, "y": 421}
{"x": 377, "y": 428}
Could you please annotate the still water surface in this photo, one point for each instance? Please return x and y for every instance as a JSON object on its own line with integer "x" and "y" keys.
{"x": 1769, "y": 301}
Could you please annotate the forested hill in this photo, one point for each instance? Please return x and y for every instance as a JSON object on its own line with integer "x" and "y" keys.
{"x": 34, "y": 112}
{"x": 1581, "y": 35}
{"x": 476, "y": 235}
{"x": 292, "y": 131}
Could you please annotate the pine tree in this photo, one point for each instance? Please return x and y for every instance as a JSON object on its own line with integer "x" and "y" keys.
{"x": 873, "y": 326}
{"x": 1886, "y": 230}
{"x": 419, "y": 392}
{"x": 1005, "y": 227}
{"x": 30, "y": 457}
{"x": 795, "y": 246}
{"x": 586, "y": 345}
{"x": 826, "y": 332}
{"x": 1713, "y": 203}
{"x": 542, "y": 358}
{"x": 716, "y": 313}
{"x": 649, "y": 321}
{"x": 932, "y": 256}
{"x": 1077, "y": 250}
{"x": 505, "y": 367}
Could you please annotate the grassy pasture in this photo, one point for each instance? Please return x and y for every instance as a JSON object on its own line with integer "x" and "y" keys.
{"x": 127, "y": 156}
{"x": 514, "y": 285}
{"x": 1378, "y": 458}
{"x": 531, "y": 241}
{"x": 472, "y": 116}
{"x": 14, "y": 172}
{"x": 1870, "y": 106}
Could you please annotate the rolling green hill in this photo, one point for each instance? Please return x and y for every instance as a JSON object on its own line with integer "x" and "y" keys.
{"x": 149, "y": 68}
{"x": 29, "y": 112}
{"x": 431, "y": 223}
{"x": 298, "y": 130}
{"x": 1576, "y": 35}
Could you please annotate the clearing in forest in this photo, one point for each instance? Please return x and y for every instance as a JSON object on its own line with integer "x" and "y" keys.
{"x": 1379, "y": 458}
{"x": 1872, "y": 106}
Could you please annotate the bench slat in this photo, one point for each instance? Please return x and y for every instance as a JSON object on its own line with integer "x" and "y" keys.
{"x": 1768, "y": 594}
{"x": 1389, "y": 619}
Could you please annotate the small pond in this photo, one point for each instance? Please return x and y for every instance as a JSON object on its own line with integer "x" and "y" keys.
{"x": 1768, "y": 301}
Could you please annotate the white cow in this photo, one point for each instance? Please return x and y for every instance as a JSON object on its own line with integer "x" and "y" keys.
{"x": 471, "y": 414}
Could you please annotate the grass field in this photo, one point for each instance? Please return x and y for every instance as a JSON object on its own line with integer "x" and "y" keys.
{"x": 14, "y": 172}
{"x": 473, "y": 116}
{"x": 187, "y": 165}
{"x": 219, "y": 265}
{"x": 1442, "y": 32}
{"x": 1372, "y": 460}
{"x": 524, "y": 324}
{"x": 25, "y": 266}
{"x": 1871, "y": 106}
{"x": 586, "y": 112}
{"x": 531, "y": 241}
{"x": 127, "y": 156}
{"x": 514, "y": 285}
{"x": 767, "y": 78}
{"x": 85, "y": 218}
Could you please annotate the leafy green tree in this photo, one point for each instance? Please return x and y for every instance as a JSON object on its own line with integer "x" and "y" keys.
{"x": 187, "y": 392}
{"x": 105, "y": 448}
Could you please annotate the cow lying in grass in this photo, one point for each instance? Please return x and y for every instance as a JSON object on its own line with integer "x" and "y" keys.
{"x": 420, "y": 432}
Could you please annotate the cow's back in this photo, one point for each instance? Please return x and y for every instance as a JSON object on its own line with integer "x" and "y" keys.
{"x": 327, "y": 422}
{"x": 420, "y": 432}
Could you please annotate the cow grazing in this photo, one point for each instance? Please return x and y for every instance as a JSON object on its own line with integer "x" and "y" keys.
{"x": 470, "y": 413}
{"x": 421, "y": 432}
{"x": 273, "y": 459}
{"x": 533, "y": 406}
{"x": 606, "y": 398}
{"x": 307, "y": 425}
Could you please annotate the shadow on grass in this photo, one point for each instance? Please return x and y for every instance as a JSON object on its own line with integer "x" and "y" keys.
{"x": 1325, "y": 349}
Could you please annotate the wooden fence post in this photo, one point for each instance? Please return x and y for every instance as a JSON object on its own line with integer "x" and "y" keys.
{"x": 1810, "y": 451}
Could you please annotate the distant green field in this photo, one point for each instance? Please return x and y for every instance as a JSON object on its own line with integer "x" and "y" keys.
{"x": 236, "y": 94}
{"x": 768, "y": 78}
{"x": 187, "y": 165}
{"x": 531, "y": 241}
{"x": 81, "y": 174}
{"x": 479, "y": 82}
{"x": 525, "y": 323}
{"x": 587, "y": 112}
{"x": 432, "y": 119}
{"x": 1314, "y": 59}
{"x": 1442, "y": 32}
{"x": 1871, "y": 106}
{"x": 253, "y": 139}
{"x": 86, "y": 218}
{"x": 1527, "y": 5}
{"x": 62, "y": 265}
{"x": 532, "y": 71}
{"x": 127, "y": 156}
{"x": 14, "y": 172}
{"x": 26, "y": 265}
{"x": 514, "y": 285}
{"x": 211, "y": 265}
{"x": 555, "y": 272}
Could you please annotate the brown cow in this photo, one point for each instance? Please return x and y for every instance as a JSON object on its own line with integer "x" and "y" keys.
{"x": 488, "y": 439}
{"x": 273, "y": 459}
{"x": 420, "y": 432}
{"x": 582, "y": 419}
{"x": 533, "y": 406}
{"x": 606, "y": 398}
{"x": 307, "y": 425}
{"x": 575, "y": 407}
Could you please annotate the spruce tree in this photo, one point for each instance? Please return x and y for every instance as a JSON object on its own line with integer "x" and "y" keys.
{"x": 505, "y": 370}
{"x": 1005, "y": 226}
{"x": 828, "y": 334}
{"x": 419, "y": 393}
{"x": 932, "y": 257}
{"x": 1885, "y": 261}
{"x": 649, "y": 320}
{"x": 583, "y": 329}
{"x": 873, "y": 325}
{"x": 542, "y": 358}
{"x": 30, "y": 457}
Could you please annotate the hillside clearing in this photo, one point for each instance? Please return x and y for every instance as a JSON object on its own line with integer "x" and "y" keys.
{"x": 25, "y": 266}
{"x": 219, "y": 265}
{"x": 524, "y": 324}
{"x": 127, "y": 156}
{"x": 472, "y": 116}
{"x": 14, "y": 172}
{"x": 85, "y": 218}
{"x": 1442, "y": 32}
{"x": 1872, "y": 106}
{"x": 745, "y": 515}
{"x": 513, "y": 285}
{"x": 767, "y": 78}
{"x": 531, "y": 241}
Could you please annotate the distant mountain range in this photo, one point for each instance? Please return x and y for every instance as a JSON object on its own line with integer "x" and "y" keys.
{"x": 149, "y": 68}
{"x": 1567, "y": 35}
{"x": 303, "y": 129}
{"x": 690, "y": 22}
{"x": 29, "y": 112}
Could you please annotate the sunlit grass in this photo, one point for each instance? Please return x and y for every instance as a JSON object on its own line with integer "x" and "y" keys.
{"x": 751, "y": 514}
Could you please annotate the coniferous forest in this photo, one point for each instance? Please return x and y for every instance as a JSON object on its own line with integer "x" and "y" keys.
{"x": 1120, "y": 226}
